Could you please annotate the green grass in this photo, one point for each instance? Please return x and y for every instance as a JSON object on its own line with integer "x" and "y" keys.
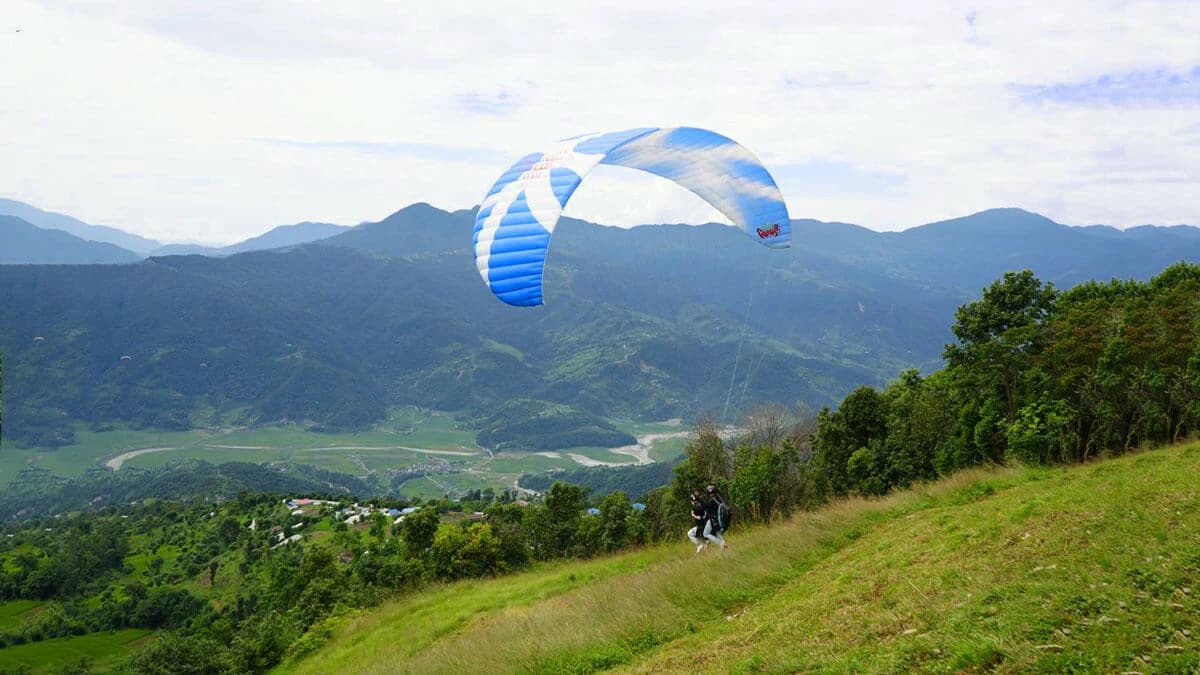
{"x": 1086, "y": 569}
{"x": 518, "y": 463}
{"x": 436, "y": 614}
{"x": 424, "y": 488}
{"x": 428, "y": 487}
{"x": 15, "y": 612}
{"x": 140, "y": 562}
{"x": 98, "y": 648}
{"x": 667, "y": 449}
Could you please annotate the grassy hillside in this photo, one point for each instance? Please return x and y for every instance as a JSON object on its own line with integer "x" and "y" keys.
{"x": 1091, "y": 568}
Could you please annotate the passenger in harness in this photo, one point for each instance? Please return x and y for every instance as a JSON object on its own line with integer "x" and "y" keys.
{"x": 714, "y": 505}
{"x": 696, "y": 534}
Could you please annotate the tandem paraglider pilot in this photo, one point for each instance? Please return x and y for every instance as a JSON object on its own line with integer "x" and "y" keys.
{"x": 711, "y": 515}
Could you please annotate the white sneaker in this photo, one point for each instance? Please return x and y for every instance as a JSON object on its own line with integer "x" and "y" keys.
{"x": 699, "y": 548}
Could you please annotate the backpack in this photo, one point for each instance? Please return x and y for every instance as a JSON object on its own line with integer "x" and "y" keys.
{"x": 724, "y": 515}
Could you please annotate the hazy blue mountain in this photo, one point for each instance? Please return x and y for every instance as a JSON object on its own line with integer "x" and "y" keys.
{"x": 278, "y": 237}
{"x": 58, "y": 221}
{"x": 23, "y": 242}
{"x": 287, "y": 235}
{"x": 417, "y": 229}
{"x": 186, "y": 249}
{"x": 968, "y": 253}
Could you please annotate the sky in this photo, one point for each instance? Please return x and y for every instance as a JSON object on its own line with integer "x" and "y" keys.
{"x": 215, "y": 121}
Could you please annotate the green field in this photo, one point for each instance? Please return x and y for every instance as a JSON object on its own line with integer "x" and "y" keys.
{"x": 517, "y": 463}
{"x": 1094, "y": 568}
{"x": 432, "y": 487}
{"x": 98, "y": 648}
{"x": 14, "y": 613}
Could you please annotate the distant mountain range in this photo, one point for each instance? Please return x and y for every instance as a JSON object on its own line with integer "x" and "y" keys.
{"x": 970, "y": 252}
{"x": 57, "y": 221}
{"x": 45, "y": 244}
{"x": 642, "y": 323}
{"x": 21, "y": 242}
{"x": 279, "y": 237}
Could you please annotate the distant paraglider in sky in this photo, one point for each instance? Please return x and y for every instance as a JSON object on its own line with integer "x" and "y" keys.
{"x": 518, "y": 215}
{"x": 126, "y": 357}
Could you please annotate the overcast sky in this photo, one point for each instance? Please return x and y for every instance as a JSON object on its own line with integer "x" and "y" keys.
{"x": 215, "y": 121}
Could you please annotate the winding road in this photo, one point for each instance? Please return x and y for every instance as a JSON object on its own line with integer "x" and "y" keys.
{"x": 115, "y": 463}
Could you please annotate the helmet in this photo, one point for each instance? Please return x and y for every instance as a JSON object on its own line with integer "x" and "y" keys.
{"x": 711, "y": 488}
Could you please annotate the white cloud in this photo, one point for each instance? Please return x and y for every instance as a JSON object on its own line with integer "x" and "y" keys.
{"x": 150, "y": 115}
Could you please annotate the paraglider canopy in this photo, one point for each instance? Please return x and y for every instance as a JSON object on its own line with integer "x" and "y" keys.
{"x": 518, "y": 215}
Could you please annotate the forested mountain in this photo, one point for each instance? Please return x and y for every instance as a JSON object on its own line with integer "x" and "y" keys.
{"x": 330, "y": 336}
{"x": 641, "y": 323}
{"x": 23, "y": 242}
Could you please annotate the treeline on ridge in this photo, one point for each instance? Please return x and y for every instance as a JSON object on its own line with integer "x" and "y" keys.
{"x": 1038, "y": 376}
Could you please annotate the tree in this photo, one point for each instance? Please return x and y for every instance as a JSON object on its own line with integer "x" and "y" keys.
{"x": 418, "y": 530}
{"x": 919, "y": 427}
{"x": 507, "y": 522}
{"x": 858, "y": 422}
{"x": 459, "y": 553}
{"x": 564, "y": 504}
{"x": 184, "y": 655}
{"x": 379, "y": 523}
{"x": 998, "y": 336}
{"x": 615, "y": 510}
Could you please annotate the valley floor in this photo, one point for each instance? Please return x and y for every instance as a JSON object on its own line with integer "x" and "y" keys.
{"x": 449, "y": 460}
{"x": 1094, "y": 568}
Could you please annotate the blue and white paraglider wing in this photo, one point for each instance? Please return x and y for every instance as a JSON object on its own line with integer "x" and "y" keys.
{"x": 518, "y": 215}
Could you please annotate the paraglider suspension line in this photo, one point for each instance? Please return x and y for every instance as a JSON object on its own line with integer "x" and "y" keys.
{"x": 742, "y": 340}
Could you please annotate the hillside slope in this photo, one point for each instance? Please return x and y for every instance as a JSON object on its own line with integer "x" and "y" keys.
{"x": 1093, "y": 568}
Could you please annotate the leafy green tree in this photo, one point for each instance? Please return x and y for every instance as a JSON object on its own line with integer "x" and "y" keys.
{"x": 175, "y": 654}
{"x": 858, "y": 422}
{"x": 228, "y": 530}
{"x": 564, "y": 504}
{"x": 999, "y": 338}
{"x": 418, "y": 530}
{"x": 615, "y": 510}
{"x": 507, "y": 522}
{"x": 379, "y": 523}
{"x": 919, "y": 428}
{"x": 459, "y": 553}
{"x": 758, "y": 481}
